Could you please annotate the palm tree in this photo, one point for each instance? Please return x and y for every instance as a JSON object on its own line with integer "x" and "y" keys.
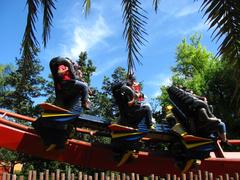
{"x": 133, "y": 17}
{"x": 223, "y": 16}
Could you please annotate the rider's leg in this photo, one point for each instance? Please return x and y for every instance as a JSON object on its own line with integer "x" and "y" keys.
{"x": 148, "y": 115}
{"x": 222, "y": 131}
{"x": 83, "y": 88}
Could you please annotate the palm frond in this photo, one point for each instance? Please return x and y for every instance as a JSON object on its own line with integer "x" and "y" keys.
{"x": 30, "y": 44}
{"x": 155, "y": 4}
{"x": 134, "y": 30}
{"x": 48, "y": 6}
{"x": 87, "y": 6}
{"x": 224, "y": 17}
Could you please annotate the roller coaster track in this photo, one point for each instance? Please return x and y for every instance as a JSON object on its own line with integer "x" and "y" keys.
{"x": 21, "y": 138}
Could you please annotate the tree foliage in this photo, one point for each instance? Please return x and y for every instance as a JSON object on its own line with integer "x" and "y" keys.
{"x": 5, "y": 71}
{"x": 134, "y": 19}
{"x": 224, "y": 18}
{"x": 22, "y": 86}
{"x": 193, "y": 62}
{"x": 87, "y": 66}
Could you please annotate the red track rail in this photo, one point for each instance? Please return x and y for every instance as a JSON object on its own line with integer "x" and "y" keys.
{"x": 22, "y": 138}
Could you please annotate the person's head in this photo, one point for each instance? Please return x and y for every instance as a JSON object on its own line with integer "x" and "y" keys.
{"x": 168, "y": 108}
{"x": 211, "y": 108}
{"x": 75, "y": 64}
{"x": 189, "y": 91}
{"x": 203, "y": 98}
{"x": 131, "y": 78}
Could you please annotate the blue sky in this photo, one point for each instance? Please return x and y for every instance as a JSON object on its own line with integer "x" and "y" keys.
{"x": 100, "y": 34}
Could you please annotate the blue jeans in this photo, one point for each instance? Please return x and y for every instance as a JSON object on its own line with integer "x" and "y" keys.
{"x": 221, "y": 127}
{"x": 148, "y": 116}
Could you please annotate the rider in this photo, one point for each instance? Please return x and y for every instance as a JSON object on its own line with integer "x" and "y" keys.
{"x": 207, "y": 123}
{"x": 139, "y": 100}
{"x": 169, "y": 115}
{"x": 70, "y": 90}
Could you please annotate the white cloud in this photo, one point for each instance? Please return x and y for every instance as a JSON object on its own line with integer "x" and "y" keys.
{"x": 85, "y": 37}
{"x": 108, "y": 64}
{"x": 188, "y": 10}
{"x": 179, "y": 8}
{"x": 156, "y": 94}
{"x": 201, "y": 26}
{"x": 184, "y": 31}
{"x": 160, "y": 80}
{"x": 180, "y": 18}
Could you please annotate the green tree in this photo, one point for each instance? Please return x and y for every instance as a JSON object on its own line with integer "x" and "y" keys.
{"x": 50, "y": 90}
{"x": 87, "y": 66}
{"x": 193, "y": 61}
{"x": 5, "y": 71}
{"x": 23, "y": 86}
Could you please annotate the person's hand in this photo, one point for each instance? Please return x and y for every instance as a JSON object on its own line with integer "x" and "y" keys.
{"x": 138, "y": 94}
{"x": 131, "y": 103}
{"x": 91, "y": 92}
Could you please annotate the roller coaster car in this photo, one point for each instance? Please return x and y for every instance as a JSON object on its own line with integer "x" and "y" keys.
{"x": 56, "y": 124}
{"x": 151, "y": 159}
{"x": 183, "y": 147}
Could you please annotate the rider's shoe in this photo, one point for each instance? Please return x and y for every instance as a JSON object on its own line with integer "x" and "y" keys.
{"x": 129, "y": 155}
{"x": 91, "y": 92}
{"x": 152, "y": 127}
{"x": 226, "y": 144}
{"x": 190, "y": 164}
{"x": 51, "y": 147}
